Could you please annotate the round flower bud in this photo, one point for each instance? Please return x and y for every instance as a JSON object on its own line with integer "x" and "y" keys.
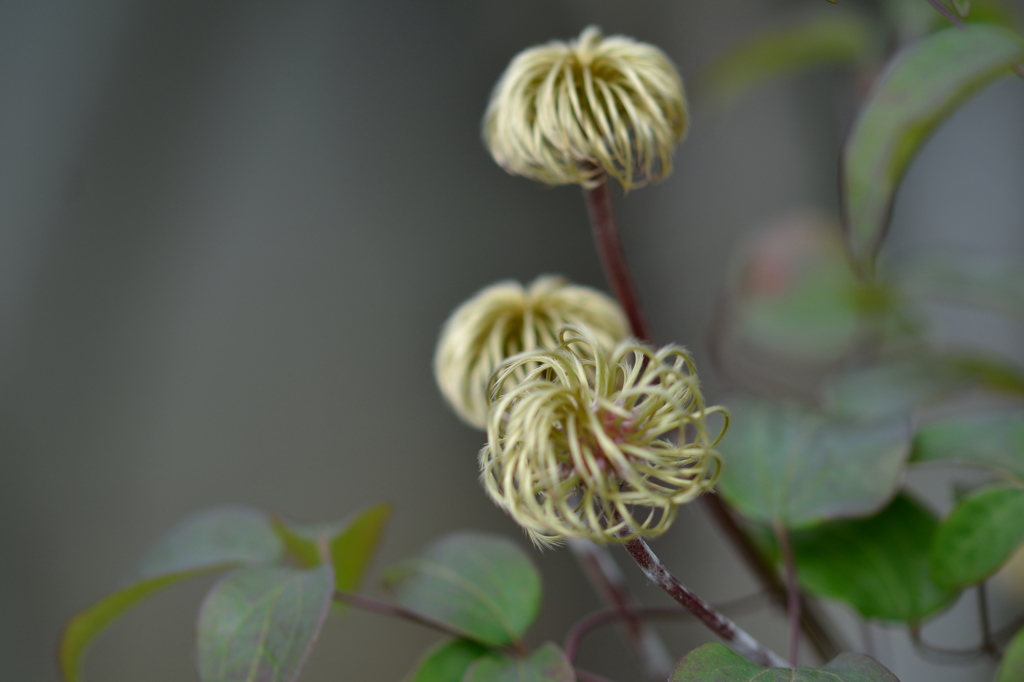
{"x": 505, "y": 319}
{"x": 570, "y": 112}
{"x": 596, "y": 443}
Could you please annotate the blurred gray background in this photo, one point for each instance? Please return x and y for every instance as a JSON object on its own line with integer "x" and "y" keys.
{"x": 230, "y": 232}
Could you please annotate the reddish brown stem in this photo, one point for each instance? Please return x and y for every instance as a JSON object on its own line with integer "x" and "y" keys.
{"x": 739, "y": 639}
{"x": 604, "y": 574}
{"x": 599, "y": 207}
{"x": 606, "y": 236}
{"x": 793, "y": 590}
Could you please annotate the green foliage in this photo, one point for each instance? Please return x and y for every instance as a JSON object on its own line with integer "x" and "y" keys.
{"x": 546, "y": 664}
{"x": 878, "y": 565}
{"x": 213, "y": 540}
{"x": 715, "y": 662}
{"x": 348, "y": 545}
{"x": 1012, "y": 667}
{"x": 789, "y": 465}
{"x": 448, "y": 661}
{"x": 899, "y": 386}
{"x": 815, "y": 41}
{"x": 991, "y": 441}
{"x": 918, "y": 89}
{"x": 482, "y": 584}
{"x": 259, "y": 623}
{"x": 978, "y": 537}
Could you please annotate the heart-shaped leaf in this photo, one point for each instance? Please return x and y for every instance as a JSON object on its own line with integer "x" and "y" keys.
{"x": 448, "y": 661}
{"x": 349, "y": 545}
{"x": 920, "y": 87}
{"x": 989, "y": 440}
{"x": 547, "y": 664}
{"x": 787, "y": 464}
{"x": 212, "y": 540}
{"x": 259, "y": 623}
{"x": 718, "y": 663}
{"x": 878, "y": 565}
{"x": 978, "y": 537}
{"x": 483, "y": 584}
{"x": 813, "y": 42}
{"x": 1012, "y": 667}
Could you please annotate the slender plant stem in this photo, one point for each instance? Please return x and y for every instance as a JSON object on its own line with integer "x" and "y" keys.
{"x": 739, "y": 639}
{"x": 988, "y": 642}
{"x": 602, "y": 219}
{"x": 643, "y": 613}
{"x": 606, "y": 236}
{"x": 948, "y": 13}
{"x": 397, "y": 611}
{"x": 604, "y": 574}
{"x": 792, "y": 588}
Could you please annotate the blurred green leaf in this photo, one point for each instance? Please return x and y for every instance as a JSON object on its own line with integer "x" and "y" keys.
{"x": 547, "y": 664}
{"x": 1012, "y": 667}
{"x": 963, "y": 7}
{"x": 448, "y": 661}
{"x": 878, "y": 565}
{"x": 259, "y": 623}
{"x": 481, "y": 583}
{"x": 793, "y": 293}
{"x": 978, "y": 537}
{"x": 966, "y": 279}
{"x": 920, "y": 87}
{"x": 989, "y": 440}
{"x": 813, "y": 42}
{"x": 350, "y": 544}
{"x": 791, "y": 465}
{"x": 716, "y": 662}
{"x": 212, "y": 540}
{"x": 900, "y": 386}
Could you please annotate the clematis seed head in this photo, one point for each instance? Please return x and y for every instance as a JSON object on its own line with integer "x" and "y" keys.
{"x": 568, "y": 113}
{"x": 507, "y": 318}
{"x": 597, "y": 443}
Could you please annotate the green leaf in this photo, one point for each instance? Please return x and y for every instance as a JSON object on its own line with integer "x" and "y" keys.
{"x": 448, "y": 661}
{"x": 989, "y": 440}
{"x": 790, "y": 465}
{"x": 547, "y": 664}
{"x": 900, "y": 386}
{"x": 920, "y": 87}
{"x": 481, "y": 583}
{"x": 878, "y": 565}
{"x": 795, "y": 295}
{"x": 813, "y": 42}
{"x": 716, "y": 662}
{"x": 260, "y": 623}
{"x": 963, "y": 7}
{"x": 965, "y": 279}
{"x": 978, "y": 537}
{"x": 212, "y": 540}
{"x": 1012, "y": 667}
{"x": 350, "y": 544}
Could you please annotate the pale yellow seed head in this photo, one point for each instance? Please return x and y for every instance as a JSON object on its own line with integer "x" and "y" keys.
{"x": 596, "y": 443}
{"x": 567, "y": 113}
{"x": 505, "y": 319}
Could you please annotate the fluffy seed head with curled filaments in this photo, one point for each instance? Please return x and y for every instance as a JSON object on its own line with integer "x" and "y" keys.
{"x": 567, "y": 113}
{"x": 505, "y": 319}
{"x": 596, "y": 443}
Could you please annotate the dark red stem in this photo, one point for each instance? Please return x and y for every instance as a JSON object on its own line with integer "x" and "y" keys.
{"x": 793, "y": 590}
{"x": 739, "y": 639}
